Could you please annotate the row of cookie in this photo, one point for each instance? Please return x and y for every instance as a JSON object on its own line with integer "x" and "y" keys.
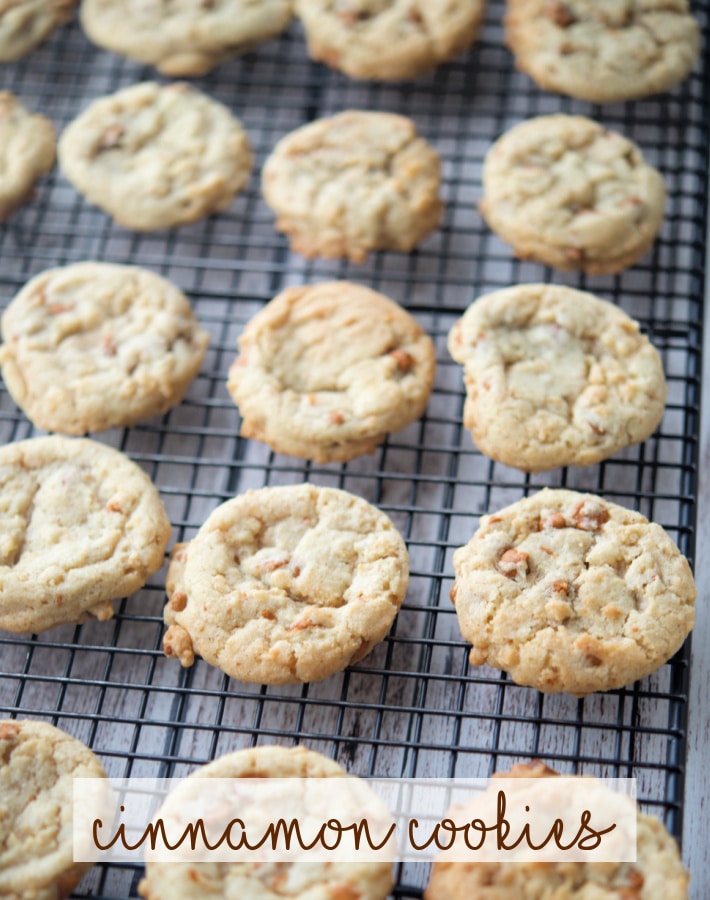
{"x": 300, "y": 581}
{"x": 40, "y": 763}
{"x": 565, "y": 591}
{"x": 561, "y": 189}
{"x": 554, "y": 376}
{"x": 95, "y": 345}
{"x": 390, "y": 40}
{"x": 591, "y": 51}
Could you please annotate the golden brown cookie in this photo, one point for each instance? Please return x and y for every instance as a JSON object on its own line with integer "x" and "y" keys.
{"x": 568, "y": 592}
{"x": 600, "y": 51}
{"x": 183, "y": 37}
{"x": 565, "y": 191}
{"x": 156, "y": 156}
{"x": 28, "y": 149}
{"x": 24, "y": 24}
{"x": 388, "y": 40}
{"x": 352, "y": 183}
{"x": 555, "y": 376}
{"x": 285, "y": 584}
{"x": 261, "y": 879}
{"x": 81, "y": 525}
{"x": 94, "y": 346}
{"x": 325, "y": 371}
{"x": 657, "y": 873}
{"x": 38, "y": 764}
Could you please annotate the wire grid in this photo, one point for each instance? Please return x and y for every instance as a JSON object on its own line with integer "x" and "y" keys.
{"x": 414, "y": 707}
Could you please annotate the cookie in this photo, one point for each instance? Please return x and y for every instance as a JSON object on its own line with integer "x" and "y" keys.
{"x": 94, "y": 346}
{"x": 261, "y": 878}
{"x": 80, "y": 525}
{"x": 285, "y": 584}
{"x": 388, "y": 40}
{"x": 325, "y": 371}
{"x": 28, "y": 144}
{"x": 355, "y": 182}
{"x": 555, "y": 377}
{"x": 603, "y": 52}
{"x": 656, "y": 874}
{"x": 38, "y": 763}
{"x": 565, "y": 191}
{"x": 156, "y": 156}
{"x": 185, "y": 38}
{"x": 24, "y": 24}
{"x": 568, "y": 592}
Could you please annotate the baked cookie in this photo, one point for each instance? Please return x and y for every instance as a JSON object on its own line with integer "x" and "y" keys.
{"x": 285, "y": 584}
{"x": 352, "y": 183}
{"x": 565, "y": 191}
{"x": 28, "y": 150}
{"x": 555, "y": 377}
{"x": 80, "y": 525}
{"x": 38, "y": 763}
{"x": 26, "y": 23}
{"x": 603, "y": 52}
{"x": 388, "y": 40}
{"x": 260, "y": 879}
{"x": 568, "y": 592}
{"x": 94, "y": 346}
{"x": 656, "y": 874}
{"x": 183, "y": 37}
{"x": 156, "y": 156}
{"x": 325, "y": 371}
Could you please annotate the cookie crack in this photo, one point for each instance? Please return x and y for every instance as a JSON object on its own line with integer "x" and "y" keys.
{"x": 656, "y": 38}
{"x": 27, "y": 513}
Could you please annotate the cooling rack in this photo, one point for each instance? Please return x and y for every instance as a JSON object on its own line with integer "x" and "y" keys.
{"x": 414, "y": 707}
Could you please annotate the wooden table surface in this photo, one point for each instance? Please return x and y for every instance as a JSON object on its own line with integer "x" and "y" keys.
{"x": 696, "y": 827}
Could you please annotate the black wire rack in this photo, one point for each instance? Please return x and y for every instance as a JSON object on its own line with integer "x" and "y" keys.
{"x": 414, "y": 707}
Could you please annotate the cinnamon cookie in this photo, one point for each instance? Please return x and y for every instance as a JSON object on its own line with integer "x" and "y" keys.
{"x": 603, "y": 52}
{"x": 80, "y": 525}
{"x": 187, "y": 37}
{"x": 94, "y": 346}
{"x": 285, "y": 585}
{"x": 352, "y": 183}
{"x": 657, "y": 873}
{"x": 565, "y": 191}
{"x": 388, "y": 40}
{"x": 38, "y": 764}
{"x": 156, "y": 156}
{"x": 26, "y": 23}
{"x": 326, "y": 370}
{"x": 260, "y": 879}
{"x": 28, "y": 149}
{"x": 568, "y": 592}
{"x": 555, "y": 377}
